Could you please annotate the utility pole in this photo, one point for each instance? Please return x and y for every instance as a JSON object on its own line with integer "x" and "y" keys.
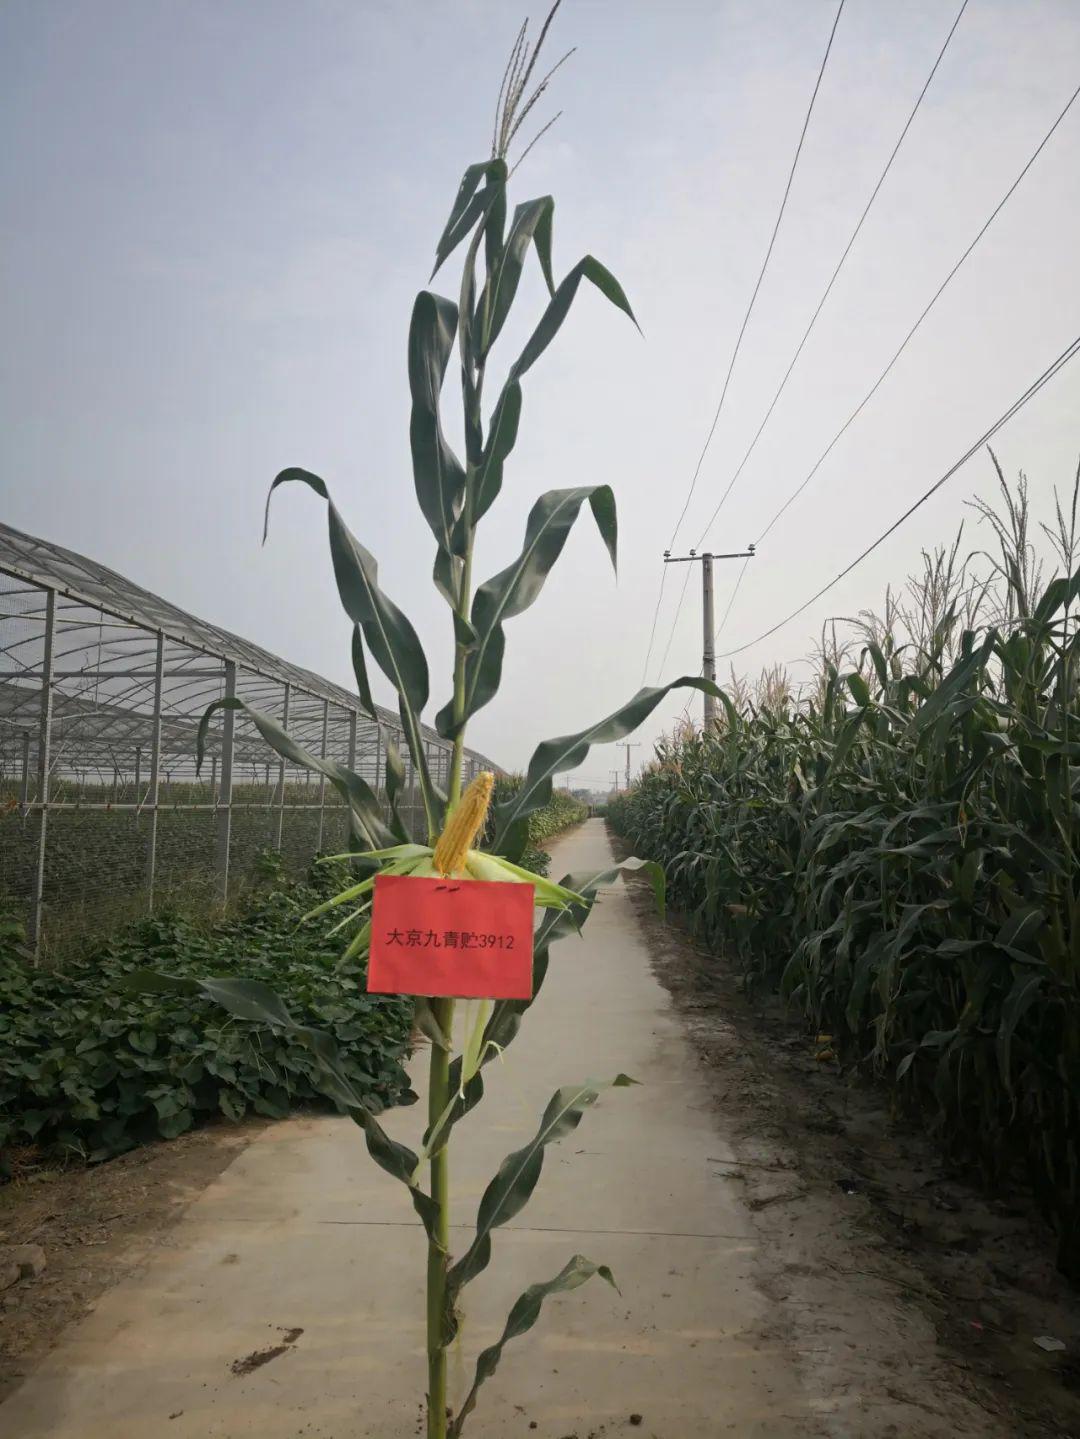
{"x": 628, "y": 745}
{"x": 615, "y": 776}
{"x": 708, "y": 651}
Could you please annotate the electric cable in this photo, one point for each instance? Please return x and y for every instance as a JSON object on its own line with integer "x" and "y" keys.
{"x": 903, "y": 346}
{"x": 839, "y": 266}
{"x": 1033, "y": 389}
{"x": 745, "y": 323}
{"x": 933, "y": 301}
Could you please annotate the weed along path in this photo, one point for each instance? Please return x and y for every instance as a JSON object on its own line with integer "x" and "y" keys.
{"x": 288, "y": 1300}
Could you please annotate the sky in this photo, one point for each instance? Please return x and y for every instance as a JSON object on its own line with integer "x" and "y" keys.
{"x": 215, "y": 215}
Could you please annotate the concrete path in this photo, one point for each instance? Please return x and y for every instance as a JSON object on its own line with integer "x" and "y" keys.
{"x": 303, "y": 1245}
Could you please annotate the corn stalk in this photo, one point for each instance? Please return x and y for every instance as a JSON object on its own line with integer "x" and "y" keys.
{"x": 454, "y": 495}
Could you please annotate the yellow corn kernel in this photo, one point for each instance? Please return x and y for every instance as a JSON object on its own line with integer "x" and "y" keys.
{"x": 465, "y": 823}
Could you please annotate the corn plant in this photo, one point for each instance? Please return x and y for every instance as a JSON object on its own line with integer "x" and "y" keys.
{"x": 454, "y": 495}
{"x": 900, "y": 851}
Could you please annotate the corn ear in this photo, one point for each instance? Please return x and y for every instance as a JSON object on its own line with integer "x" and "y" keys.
{"x": 465, "y": 823}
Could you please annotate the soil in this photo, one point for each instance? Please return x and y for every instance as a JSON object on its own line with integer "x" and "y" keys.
{"x": 96, "y": 1225}
{"x": 258, "y": 1357}
{"x": 909, "y": 1287}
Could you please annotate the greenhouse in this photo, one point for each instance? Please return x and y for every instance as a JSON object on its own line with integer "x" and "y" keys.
{"x": 102, "y": 814}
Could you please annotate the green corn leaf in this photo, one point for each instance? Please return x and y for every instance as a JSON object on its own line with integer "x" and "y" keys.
{"x": 589, "y": 885}
{"x": 509, "y": 1191}
{"x": 428, "y": 1025}
{"x": 394, "y": 769}
{"x": 249, "y": 999}
{"x": 502, "y": 436}
{"x": 555, "y": 756}
{"x": 731, "y": 714}
{"x": 399, "y": 1161}
{"x": 848, "y": 735}
{"x": 437, "y": 472}
{"x": 881, "y": 669}
{"x": 1020, "y": 929}
{"x": 533, "y": 219}
{"x": 515, "y": 588}
{"x": 363, "y": 683}
{"x": 469, "y": 204}
{"x": 346, "y": 896}
{"x": 860, "y": 689}
{"x": 149, "y": 981}
{"x": 953, "y": 685}
{"x": 1026, "y": 991}
{"x": 390, "y": 637}
{"x": 500, "y": 1030}
{"x": 559, "y": 304}
{"x": 464, "y": 634}
{"x": 356, "y": 792}
{"x": 507, "y": 1014}
{"x": 1059, "y": 593}
{"x": 490, "y": 231}
{"x": 522, "y": 1317}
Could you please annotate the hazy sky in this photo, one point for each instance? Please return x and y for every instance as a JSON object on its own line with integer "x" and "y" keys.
{"x": 216, "y": 213}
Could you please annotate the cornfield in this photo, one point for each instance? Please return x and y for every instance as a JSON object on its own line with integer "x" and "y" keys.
{"x": 897, "y": 848}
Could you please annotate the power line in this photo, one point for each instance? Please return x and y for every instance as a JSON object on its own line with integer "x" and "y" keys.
{"x": 760, "y": 278}
{"x": 745, "y": 323}
{"x": 1033, "y": 389}
{"x": 678, "y": 611}
{"x": 933, "y": 301}
{"x": 903, "y": 346}
{"x": 652, "y": 632}
{"x": 731, "y": 600}
{"x": 839, "y": 266}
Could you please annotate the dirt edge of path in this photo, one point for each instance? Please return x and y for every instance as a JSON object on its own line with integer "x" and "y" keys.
{"x": 911, "y": 1296}
{"x": 97, "y": 1225}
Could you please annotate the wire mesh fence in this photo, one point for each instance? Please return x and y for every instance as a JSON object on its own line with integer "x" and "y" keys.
{"x": 102, "y": 814}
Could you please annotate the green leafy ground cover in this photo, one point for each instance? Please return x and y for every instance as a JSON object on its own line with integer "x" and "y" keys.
{"x": 90, "y": 1069}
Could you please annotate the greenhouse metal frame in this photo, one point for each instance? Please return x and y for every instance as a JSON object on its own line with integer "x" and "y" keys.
{"x": 102, "y": 688}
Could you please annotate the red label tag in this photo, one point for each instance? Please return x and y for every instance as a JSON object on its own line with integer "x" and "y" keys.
{"x": 460, "y": 938}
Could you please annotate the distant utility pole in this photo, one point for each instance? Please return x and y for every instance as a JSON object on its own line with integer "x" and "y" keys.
{"x": 708, "y": 653}
{"x": 628, "y": 745}
{"x": 615, "y": 775}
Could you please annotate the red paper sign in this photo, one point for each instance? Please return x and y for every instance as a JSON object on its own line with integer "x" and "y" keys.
{"x": 461, "y": 938}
